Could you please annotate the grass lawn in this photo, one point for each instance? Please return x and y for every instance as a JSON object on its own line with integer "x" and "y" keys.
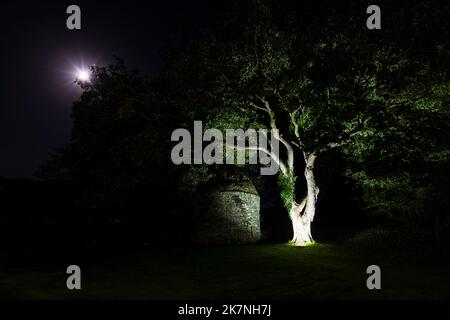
{"x": 322, "y": 271}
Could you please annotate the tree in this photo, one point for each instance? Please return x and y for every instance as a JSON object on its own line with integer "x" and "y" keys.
{"x": 323, "y": 81}
{"x": 119, "y": 138}
{"x": 118, "y": 159}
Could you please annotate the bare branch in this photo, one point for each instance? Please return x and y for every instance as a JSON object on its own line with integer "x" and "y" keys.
{"x": 297, "y": 145}
{"x": 266, "y": 104}
{"x": 255, "y": 106}
{"x": 293, "y": 118}
{"x": 290, "y": 151}
{"x": 280, "y": 163}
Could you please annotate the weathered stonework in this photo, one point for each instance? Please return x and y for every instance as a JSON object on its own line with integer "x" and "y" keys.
{"x": 229, "y": 214}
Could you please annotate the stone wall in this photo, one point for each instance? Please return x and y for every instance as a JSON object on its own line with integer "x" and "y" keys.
{"x": 229, "y": 214}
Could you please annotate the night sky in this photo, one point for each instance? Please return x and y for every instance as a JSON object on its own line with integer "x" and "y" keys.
{"x": 39, "y": 54}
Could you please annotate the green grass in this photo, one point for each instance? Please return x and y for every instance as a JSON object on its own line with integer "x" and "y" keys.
{"x": 322, "y": 271}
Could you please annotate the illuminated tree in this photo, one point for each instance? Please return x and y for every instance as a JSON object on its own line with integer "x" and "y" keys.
{"x": 324, "y": 81}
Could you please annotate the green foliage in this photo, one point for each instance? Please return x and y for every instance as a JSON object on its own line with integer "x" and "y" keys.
{"x": 120, "y": 138}
{"x": 414, "y": 198}
{"x": 379, "y": 238}
{"x": 196, "y": 176}
{"x": 329, "y": 82}
{"x": 287, "y": 190}
{"x": 320, "y": 68}
{"x": 383, "y": 95}
{"x": 402, "y": 171}
{"x": 407, "y": 240}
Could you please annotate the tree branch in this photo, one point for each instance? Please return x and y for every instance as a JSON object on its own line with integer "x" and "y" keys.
{"x": 280, "y": 163}
{"x": 277, "y": 135}
{"x": 255, "y": 106}
{"x": 293, "y": 116}
{"x": 351, "y": 135}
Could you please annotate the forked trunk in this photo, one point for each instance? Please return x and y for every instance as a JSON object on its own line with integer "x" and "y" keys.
{"x": 301, "y": 225}
{"x": 303, "y": 214}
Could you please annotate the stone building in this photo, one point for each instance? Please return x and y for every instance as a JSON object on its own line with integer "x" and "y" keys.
{"x": 229, "y": 214}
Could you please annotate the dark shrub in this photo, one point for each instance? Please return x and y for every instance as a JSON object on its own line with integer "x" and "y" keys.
{"x": 402, "y": 239}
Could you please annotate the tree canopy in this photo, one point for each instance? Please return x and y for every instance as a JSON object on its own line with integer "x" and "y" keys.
{"x": 316, "y": 74}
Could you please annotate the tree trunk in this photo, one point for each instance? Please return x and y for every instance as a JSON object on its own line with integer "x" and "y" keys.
{"x": 301, "y": 225}
{"x": 303, "y": 214}
{"x": 312, "y": 189}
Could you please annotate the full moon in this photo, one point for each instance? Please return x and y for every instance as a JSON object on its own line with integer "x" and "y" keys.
{"x": 83, "y": 75}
